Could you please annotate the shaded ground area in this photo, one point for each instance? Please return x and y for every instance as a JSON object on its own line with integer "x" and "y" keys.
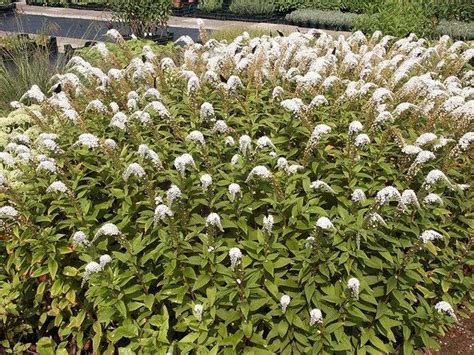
{"x": 72, "y": 28}
{"x": 458, "y": 340}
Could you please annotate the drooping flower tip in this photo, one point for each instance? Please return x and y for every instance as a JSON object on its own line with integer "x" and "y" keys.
{"x": 8, "y": 211}
{"x": 316, "y": 316}
{"x": 260, "y": 171}
{"x": 411, "y": 149}
{"x": 319, "y": 131}
{"x": 196, "y": 136}
{"x": 388, "y": 194}
{"x": 321, "y": 185}
{"x": 245, "y": 144}
{"x": 207, "y": 112}
{"x": 361, "y": 140}
{"x": 235, "y": 159}
{"x": 88, "y": 140}
{"x": 104, "y": 260}
{"x": 214, "y": 220}
{"x": 355, "y": 127}
{"x": 268, "y": 223}
{"x": 235, "y": 257}
{"x": 220, "y": 126}
{"x": 445, "y": 307}
{"x": 324, "y": 223}
{"x": 435, "y": 176}
{"x": 425, "y": 138}
{"x": 353, "y": 284}
{"x": 109, "y": 229}
{"x": 206, "y": 181}
{"x": 292, "y": 105}
{"x": 93, "y": 267}
{"x": 114, "y": 35}
{"x": 234, "y": 189}
{"x": 80, "y": 239}
{"x": 374, "y": 219}
{"x": 173, "y": 194}
{"x": 34, "y": 93}
{"x": 198, "y": 311}
{"x": 409, "y": 198}
{"x": 110, "y": 144}
{"x": 229, "y": 141}
{"x": 430, "y": 235}
{"x": 284, "y": 302}
{"x": 47, "y": 165}
{"x": 264, "y": 141}
{"x": 181, "y": 162}
{"x": 57, "y": 186}
{"x": 134, "y": 169}
{"x": 358, "y": 196}
{"x": 433, "y": 199}
{"x": 466, "y": 140}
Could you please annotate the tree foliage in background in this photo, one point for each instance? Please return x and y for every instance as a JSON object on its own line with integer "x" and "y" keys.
{"x": 143, "y": 16}
{"x": 252, "y": 7}
{"x": 210, "y": 5}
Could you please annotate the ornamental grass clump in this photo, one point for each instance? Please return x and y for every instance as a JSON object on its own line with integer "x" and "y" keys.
{"x": 264, "y": 207}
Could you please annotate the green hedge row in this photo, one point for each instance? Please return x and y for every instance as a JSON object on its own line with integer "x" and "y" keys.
{"x": 67, "y": 2}
{"x": 399, "y": 25}
{"x": 460, "y": 10}
{"x": 335, "y": 20}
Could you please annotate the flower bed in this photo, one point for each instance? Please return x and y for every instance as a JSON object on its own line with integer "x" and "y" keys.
{"x": 297, "y": 194}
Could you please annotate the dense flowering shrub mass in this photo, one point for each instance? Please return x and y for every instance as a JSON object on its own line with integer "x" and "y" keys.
{"x": 290, "y": 195}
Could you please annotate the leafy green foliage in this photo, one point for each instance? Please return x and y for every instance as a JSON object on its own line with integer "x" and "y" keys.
{"x": 145, "y": 298}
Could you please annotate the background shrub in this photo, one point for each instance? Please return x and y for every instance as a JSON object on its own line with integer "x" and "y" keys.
{"x": 23, "y": 64}
{"x": 252, "y": 7}
{"x": 143, "y": 16}
{"x": 210, "y": 5}
{"x": 398, "y": 18}
{"x": 461, "y": 10}
{"x": 324, "y": 19}
{"x": 229, "y": 34}
{"x": 456, "y": 29}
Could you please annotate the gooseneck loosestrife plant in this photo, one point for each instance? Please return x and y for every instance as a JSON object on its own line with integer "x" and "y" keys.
{"x": 289, "y": 195}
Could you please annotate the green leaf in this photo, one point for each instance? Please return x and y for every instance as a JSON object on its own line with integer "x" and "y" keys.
{"x": 70, "y": 271}
{"x": 190, "y": 338}
{"x": 282, "y": 328}
{"x": 268, "y": 265}
{"x": 272, "y": 288}
{"x": 201, "y": 281}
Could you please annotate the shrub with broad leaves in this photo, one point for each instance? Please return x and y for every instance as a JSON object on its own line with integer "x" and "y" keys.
{"x": 298, "y": 194}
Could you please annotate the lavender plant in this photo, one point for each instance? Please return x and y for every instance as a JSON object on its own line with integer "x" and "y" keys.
{"x": 299, "y": 194}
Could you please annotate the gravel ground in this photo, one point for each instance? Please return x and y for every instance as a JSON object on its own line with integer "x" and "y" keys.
{"x": 457, "y": 340}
